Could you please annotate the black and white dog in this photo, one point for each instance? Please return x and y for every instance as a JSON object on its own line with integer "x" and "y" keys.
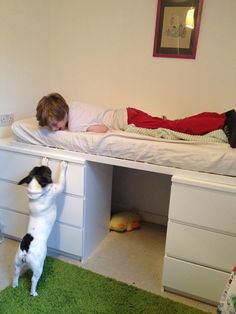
{"x": 42, "y": 194}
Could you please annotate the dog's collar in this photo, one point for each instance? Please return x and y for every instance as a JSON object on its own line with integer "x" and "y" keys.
{"x": 36, "y": 195}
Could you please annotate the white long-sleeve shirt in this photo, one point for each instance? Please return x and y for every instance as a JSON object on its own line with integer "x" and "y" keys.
{"x": 81, "y": 116}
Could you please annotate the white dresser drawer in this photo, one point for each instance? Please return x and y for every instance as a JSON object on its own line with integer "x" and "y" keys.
{"x": 205, "y": 204}
{"x": 66, "y": 239}
{"x": 201, "y": 246}
{"x": 63, "y": 238}
{"x": 15, "y": 224}
{"x": 69, "y": 207}
{"x": 70, "y": 210}
{"x": 14, "y": 197}
{"x": 74, "y": 176}
{"x": 14, "y": 166}
{"x": 194, "y": 280}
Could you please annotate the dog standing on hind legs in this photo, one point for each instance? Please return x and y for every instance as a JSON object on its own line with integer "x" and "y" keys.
{"x": 42, "y": 194}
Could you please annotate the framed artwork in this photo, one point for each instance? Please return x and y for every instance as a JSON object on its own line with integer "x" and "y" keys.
{"x": 177, "y": 28}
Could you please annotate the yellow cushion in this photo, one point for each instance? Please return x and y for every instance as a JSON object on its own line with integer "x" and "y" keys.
{"x": 125, "y": 221}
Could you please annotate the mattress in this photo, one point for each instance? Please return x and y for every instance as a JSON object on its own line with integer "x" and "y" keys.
{"x": 216, "y": 158}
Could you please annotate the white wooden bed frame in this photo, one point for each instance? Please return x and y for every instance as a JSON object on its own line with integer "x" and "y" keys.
{"x": 201, "y": 229}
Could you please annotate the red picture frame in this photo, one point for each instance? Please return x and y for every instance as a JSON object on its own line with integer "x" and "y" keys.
{"x": 177, "y": 28}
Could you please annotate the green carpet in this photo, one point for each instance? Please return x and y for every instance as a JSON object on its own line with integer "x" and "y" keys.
{"x": 65, "y": 288}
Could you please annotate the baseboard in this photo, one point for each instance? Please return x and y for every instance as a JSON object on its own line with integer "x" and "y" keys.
{"x": 154, "y": 218}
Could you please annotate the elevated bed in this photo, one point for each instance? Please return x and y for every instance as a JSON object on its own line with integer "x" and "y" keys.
{"x": 201, "y": 226}
{"x": 217, "y": 158}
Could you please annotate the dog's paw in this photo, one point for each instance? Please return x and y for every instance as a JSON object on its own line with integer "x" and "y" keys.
{"x": 33, "y": 293}
{"x": 44, "y": 161}
{"x": 14, "y": 284}
{"x": 63, "y": 164}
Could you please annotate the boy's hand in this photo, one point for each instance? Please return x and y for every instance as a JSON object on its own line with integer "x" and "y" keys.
{"x": 99, "y": 128}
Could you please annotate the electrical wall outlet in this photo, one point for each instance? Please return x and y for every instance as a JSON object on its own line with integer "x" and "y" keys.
{"x": 6, "y": 119}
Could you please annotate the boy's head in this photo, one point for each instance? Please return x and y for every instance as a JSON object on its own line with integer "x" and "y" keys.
{"x": 52, "y": 111}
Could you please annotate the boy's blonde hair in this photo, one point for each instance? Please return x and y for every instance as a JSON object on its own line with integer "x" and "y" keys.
{"x": 52, "y": 106}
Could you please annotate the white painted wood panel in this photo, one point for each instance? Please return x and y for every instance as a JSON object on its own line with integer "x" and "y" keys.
{"x": 97, "y": 209}
{"x": 66, "y": 239}
{"x": 14, "y": 197}
{"x": 69, "y": 207}
{"x": 74, "y": 176}
{"x": 194, "y": 280}
{"x": 15, "y": 166}
{"x": 204, "y": 205}
{"x": 15, "y": 224}
{"x": 201, "y": 246}
{"x": 75, "y": 179}
{"x": 70, "y": 210}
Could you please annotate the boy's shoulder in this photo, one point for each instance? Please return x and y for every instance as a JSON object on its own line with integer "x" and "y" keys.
{"x": 78, "y": 104}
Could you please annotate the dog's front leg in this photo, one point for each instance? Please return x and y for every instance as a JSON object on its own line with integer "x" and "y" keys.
{"x": 44, "y": 161}
{"x": 62, "y": 177}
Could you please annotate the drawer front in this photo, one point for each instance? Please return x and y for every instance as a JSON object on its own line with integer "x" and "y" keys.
{"x": 15, "y": 166}
{"x": 201, "y": 246}
{"x": 14, "y": 197}
{"x": 69, "y": 207}
{"x": 74, "y": 176}
{"x": 15, "y": 224}
{"x": 203, "y": 206}
{"x": 63, "y": 238}
{"x": 70, "y": 210}
{"x": 193, "y": 280}
{"x": 66, "y": 239}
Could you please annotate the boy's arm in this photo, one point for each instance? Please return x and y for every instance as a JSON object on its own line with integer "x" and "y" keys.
{"x": 98, "y": 128}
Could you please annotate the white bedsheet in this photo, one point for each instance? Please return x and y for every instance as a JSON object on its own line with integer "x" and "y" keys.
{"x": 217, "y": 158}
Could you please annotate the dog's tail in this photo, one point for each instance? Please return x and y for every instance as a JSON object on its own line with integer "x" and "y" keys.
{"x": 25, "y": 242}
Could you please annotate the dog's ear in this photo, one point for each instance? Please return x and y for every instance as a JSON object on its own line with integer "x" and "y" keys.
{"x": 28, "y": 179}
{"x": 25, "y": 180}
{"x": 42, "y": 174}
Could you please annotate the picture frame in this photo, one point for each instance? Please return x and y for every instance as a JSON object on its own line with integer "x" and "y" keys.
{"x": 177, "y": 28}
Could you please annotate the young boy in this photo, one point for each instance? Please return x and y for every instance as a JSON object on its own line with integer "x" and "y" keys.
{"x": 54, "y": 113}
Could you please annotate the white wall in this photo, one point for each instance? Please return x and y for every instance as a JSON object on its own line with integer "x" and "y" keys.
{"x": 24, "y": 55}
{"x": 101, "y": 52}
{"x": 147, "y": 192}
